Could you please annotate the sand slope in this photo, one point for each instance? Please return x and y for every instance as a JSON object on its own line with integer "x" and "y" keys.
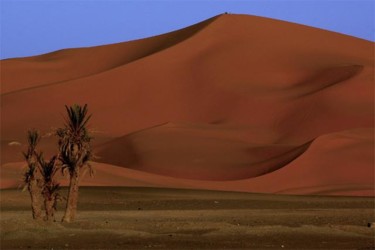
{"x": 197, "y": 152}
{"x": 232, "y": 103}
{"x": 322, "y": 169}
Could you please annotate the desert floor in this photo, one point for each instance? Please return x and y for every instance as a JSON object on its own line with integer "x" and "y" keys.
{"x": 143, "y": 218}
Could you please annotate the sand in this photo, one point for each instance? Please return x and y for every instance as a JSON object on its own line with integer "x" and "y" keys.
{"x": 184, "y": 121}
{"x": 239, "y": 132}
{"x": 151, "y": 218}
{"x": 236, "y": 103}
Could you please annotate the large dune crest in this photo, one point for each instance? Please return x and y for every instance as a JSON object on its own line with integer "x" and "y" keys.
{"x": 70, "y": 64}
{"x": 235, "y": 102}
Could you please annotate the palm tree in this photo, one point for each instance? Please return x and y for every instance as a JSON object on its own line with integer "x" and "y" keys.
{"x": 50, "y": 193}
{"x": 74, "y": 152}
{"x": 32, "y": 178}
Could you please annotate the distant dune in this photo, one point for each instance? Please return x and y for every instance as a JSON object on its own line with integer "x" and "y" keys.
{"x": 236, "y": 102}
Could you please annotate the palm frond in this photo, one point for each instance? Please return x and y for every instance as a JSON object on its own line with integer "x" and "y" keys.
{"x": 30, "y": 173}
{"x": 33, "y": 138}
{"x": 77, "y": 117}
{"x": 74, "y": 139}
{"x": 48, "y": 168}
{"x": 91, "y": 169}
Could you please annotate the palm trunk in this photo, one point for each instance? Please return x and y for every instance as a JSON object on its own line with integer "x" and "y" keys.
{"x": 71, "y": 205}
{"x": 49, "y": 204}
{"x": 36, "y": 199}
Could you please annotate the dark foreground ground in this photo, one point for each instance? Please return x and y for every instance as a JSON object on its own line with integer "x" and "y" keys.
{"x": 150, "y": 218}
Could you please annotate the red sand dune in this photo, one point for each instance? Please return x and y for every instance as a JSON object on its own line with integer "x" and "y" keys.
{"x": 233, "y": 103}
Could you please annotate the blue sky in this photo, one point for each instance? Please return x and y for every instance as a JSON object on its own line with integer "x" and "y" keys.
{"x": 31, "y": 27}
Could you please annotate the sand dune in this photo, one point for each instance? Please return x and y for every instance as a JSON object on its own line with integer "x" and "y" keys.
{"x": 231, "y": 103}
{"x": 322, "y": 169}
{"x": 68, "y": 64}
{"x": 208, "y": 153}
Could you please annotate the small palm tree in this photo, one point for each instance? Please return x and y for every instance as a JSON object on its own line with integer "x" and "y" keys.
{"x": 32, "y": 179}
{"x": 74, "y": 152}
{"x": 50, "y": 193}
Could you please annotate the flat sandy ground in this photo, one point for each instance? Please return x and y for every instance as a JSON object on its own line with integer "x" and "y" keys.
{"x": 143, "y": 218}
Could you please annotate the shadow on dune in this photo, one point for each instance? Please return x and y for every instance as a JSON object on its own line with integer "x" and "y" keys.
{"x": 322, "y": 80}
{"x": 124, "y": 154}
{"x": 187, "y": 153}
